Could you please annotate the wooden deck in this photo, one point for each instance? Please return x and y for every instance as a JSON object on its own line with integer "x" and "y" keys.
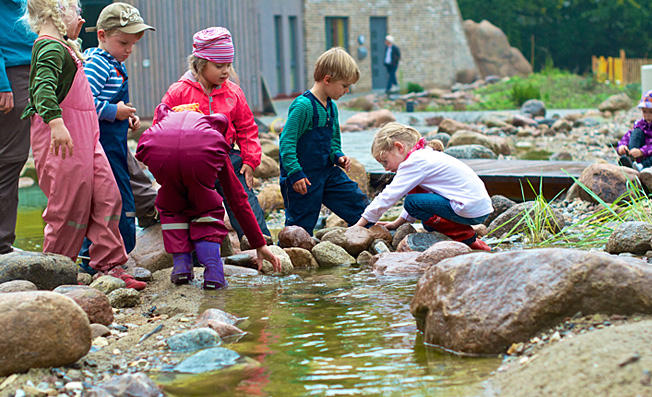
{"x": 505, "y": 177}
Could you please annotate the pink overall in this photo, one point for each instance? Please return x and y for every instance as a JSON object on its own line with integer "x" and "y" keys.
{"x": 83, "y": 197}
{"x": 186, "y": 153}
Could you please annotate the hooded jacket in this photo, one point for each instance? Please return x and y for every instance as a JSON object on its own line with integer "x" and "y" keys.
{"x": 228, "y": 99}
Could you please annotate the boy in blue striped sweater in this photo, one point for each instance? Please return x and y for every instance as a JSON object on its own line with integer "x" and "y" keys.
{"x": 119, "y": 27}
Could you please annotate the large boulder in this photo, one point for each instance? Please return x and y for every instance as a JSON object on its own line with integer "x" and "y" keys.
{"x": 371, "y": 119}
{"x": 607, "y": 181}
{"x": 270, "y": 198}
{"x": 451, "y": 126}
{"x": 470, "y": 152}
{"x": 301, "y": 258}
{"x": 531, "y": 108}
{"x": 634, "y": 237}
{"x": 46, "y": 271}
{"x": 149, "y": 251}
{"x": 268, "y": 168}
{"x": 492, "y": 52}
{"x": 616, "y": 102}
{"x": 500, "y": 204}
{"x": 328, "y": 254}
{"x": 398, "y": 264}
{"x": 482, "y": 303}
{"x": 295, "y": 236}
{"x": 41, "y": 329}
{"x": 498, "y": 145}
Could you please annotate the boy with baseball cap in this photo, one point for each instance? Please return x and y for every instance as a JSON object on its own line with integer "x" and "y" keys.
{"x": 119, "y": 27}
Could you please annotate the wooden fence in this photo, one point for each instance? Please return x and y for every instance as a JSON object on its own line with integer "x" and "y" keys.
{"x": 620, "y": 70}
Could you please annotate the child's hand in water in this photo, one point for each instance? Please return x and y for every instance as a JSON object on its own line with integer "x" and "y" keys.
{"x": 301, "y": 186}
{"x": 60, "y": 137}
{"x": 345, "y": 162}
{"x": 265, "y": 253}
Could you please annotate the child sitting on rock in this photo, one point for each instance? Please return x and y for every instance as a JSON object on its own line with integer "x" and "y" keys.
{"x": 186, "y": 152}
{"x": 637, "y": 142}
{"x": 439, "y": 190}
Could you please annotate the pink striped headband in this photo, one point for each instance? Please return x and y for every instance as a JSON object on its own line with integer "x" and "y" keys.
{"x": 213, "y": 44}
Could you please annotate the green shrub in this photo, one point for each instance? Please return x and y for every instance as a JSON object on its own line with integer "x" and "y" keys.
{"x": 633, "y": 90}
{"x": 522, "y": 92}
{"x": 414, "y": 87}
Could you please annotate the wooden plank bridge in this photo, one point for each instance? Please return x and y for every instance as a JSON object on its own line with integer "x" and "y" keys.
{"x": 506, "y": 177}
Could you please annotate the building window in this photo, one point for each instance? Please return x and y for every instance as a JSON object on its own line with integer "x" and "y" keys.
{"x": 278, "y": 37}
{"x": 294, "y": 56}
{"x": 337, "y": 32}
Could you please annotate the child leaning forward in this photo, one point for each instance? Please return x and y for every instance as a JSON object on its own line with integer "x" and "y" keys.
{"x": 440, "y": 190}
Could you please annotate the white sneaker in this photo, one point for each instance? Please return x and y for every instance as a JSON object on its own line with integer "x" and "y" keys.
{"x": 638, "y": 166}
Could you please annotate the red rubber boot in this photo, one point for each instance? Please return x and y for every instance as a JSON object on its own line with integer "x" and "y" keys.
{"x": 119, "y": 272}
{"x": 458, "y": 232}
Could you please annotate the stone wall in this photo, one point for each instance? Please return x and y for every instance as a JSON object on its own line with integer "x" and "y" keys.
{"x": 428, "y": 32}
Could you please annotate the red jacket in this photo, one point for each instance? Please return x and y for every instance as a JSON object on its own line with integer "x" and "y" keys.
{"x": 228, "y": 100}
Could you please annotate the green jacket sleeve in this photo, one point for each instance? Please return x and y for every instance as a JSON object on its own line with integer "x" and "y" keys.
{"x": 336, "y": 139}
{"x": 48, "y": 69}
{"x": 298, "y": 122}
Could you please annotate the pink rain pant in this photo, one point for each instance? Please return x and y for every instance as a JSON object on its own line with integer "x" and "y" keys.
{"x": 83, "y": 197}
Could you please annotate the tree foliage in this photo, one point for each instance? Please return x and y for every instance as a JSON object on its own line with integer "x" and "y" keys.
{"x": 569, "y": 31}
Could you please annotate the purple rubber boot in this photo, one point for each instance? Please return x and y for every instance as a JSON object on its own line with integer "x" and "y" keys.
{"x": 182, "y": 271}
{"x": 208, "y": 254}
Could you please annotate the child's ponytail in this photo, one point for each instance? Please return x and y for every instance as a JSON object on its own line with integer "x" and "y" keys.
{"x": 38, "y": 11}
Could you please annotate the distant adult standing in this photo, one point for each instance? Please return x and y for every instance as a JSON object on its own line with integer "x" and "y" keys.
{"x": 392, "y": 57}
{"x": 16, "y": 42}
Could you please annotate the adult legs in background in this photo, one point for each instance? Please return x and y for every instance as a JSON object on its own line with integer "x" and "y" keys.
{"x": 14, "y": 149}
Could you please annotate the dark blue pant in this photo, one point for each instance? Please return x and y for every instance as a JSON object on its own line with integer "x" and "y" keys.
{"x": 391, "y": 70}
{"x": 236, "y": 160}
{"x": 636, "y": 141}
{"x": 334, "y": 189}
{"x": 424, "y": 206}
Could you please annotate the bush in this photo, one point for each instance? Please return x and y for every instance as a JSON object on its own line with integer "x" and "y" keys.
{"x": 414, "y": 87}
{"x": 522, "y": 92}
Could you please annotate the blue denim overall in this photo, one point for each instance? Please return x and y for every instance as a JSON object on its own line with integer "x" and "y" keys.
{"x": 113, "y": 137}
{"x": 329, "y": 184}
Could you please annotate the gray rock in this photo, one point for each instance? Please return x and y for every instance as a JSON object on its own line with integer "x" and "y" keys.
{"x": 379, "y": 247}
{"x": 561, "y": 156}
{"x": 208, "y": 360}
{"x": 645, "y": 176}
{"x": 46, "y": 271}
{"x": 224, "y": 330}
{"x": 500, "y": 204}
{"x": 128, "y": 385}
{"x": 17, "y": 286}
{"x": 634, "y": 237}
{"x": 616, "y": 102}
{"x": 380, "y": 232}
{"x": 336, "y": 237}
{"x": 420, "y": 241}
{"x": 470, "y": 152}
{"x": 84, "y": 278}
{"x": 99, "y": 330}
{"x": 398, "y": 264}
{"x": 41, "y": 329}
{"x": 320, "y": 233}
{"x": 108, "y": 284}
{"x": 286, "y": 263}
{"x": 142, "y": 274}
{"x": 328, "y": 254}
{"x": 357, "y": 239}
{"x": 534, "y": 108}
{"x": 217, "y": 315}
{"x": 230, "y": 270}
{"x": 124, "y": 297}
{"x": 443, "y": 137}
{"x": 401, "y": 232}
{"x": 364, "y": 258}
{"x": 193, "y": 340}
{"x": 242, "y": 260}
{"x": 150, "y": 251}
{"x": 481, "y": 303}
{"x": 301, "y": 258}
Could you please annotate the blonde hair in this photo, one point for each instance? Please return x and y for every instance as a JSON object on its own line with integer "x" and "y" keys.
{"x": 196, "y": 66}
{"x": 337, "y": 63}
{"x": 39, "y": 11}
{"x": 391, "y": 133}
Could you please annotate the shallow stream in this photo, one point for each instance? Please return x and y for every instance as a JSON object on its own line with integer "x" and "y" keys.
{"x": 331, "y": 332}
